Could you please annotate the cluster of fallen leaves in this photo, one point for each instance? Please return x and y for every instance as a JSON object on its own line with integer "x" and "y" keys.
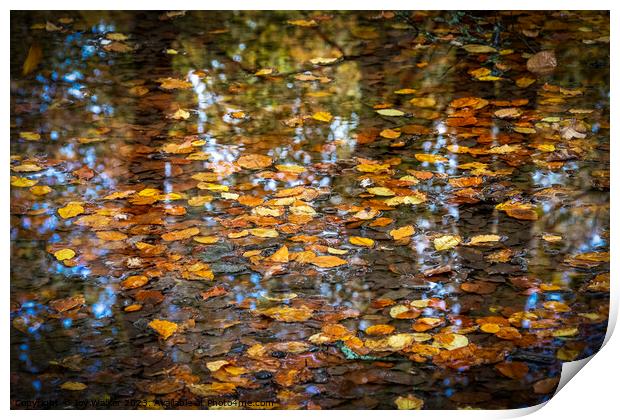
{"x": 259, "y": 211}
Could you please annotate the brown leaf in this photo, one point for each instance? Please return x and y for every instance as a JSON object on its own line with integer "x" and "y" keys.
{"x": 543, "y": 62}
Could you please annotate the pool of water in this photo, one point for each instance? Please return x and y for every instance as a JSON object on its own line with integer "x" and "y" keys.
{"x": 351, "y": 210}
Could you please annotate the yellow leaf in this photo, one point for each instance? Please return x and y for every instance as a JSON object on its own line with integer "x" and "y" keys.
{"x": 177, "y": 235}
{"x": 216, "y": 365}
{"x": 263, "y": 72}
{"x": 323, "y": 116}
{"x": 206, "y": 239}
{"x": 480, "y": 239}
{"x": 336, "y": 251}
{"x": 390, "y": 112}
{"x": 281, "y": 255}
{"x": 64, "y": 254}
{"x": 424, "y": 157}
{"x": 133, "y": 282}
{"x": 170, "y": 83}
{"x": 402, "y": 232}
{"x": 18, "y": 181}
{"x": 388, "y": 133}
{"x": 73, "y": 386}
{"x": 372, "y": 167}
{"x": 410, "y": 402}
{"x": 71, "y": 210}
{"x": 524, "y": 82}
{"x": 359, "y": 241}
{"x": 287, "y": 313}
{"x": 40, "y": 190}
{"x": 30, "y": 136}
{"x": 379, "y": 329}
{"x": 35, "y": 54}
{"x": 323, "y": 61}
{"x": 405, "y": 91}
{"x": 423, "y": 102}
{"x": 382, "y": 191}
{"x": 212, "y": 187}
{"x": 264, "y": 233}
{"x": 254, "y": 161}
{"x": 163, "y": 327}
{"x": 111, "y": 236}
{"x": 478, "y": 49}
{"x": 327, "y": 261}
{"x": 302, "y": 22}
{"x": 546, "y": 147}
{"x": 181, "y": 114}
{"x": 26, "y": 167}
{"x": 200, "y": 200}
{"x": 296, "y": 169}
{"x": 446, "y": 242}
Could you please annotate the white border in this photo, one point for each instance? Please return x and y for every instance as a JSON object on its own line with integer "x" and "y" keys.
{"x": 592, "y": 395}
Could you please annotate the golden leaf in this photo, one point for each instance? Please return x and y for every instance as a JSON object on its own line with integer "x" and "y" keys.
{"x": 288, "y": 313}
{"x": 402, "y": 232}
{"x": 164, "y": 328}
{"x": 382, "y": 191}
{"x": 18, "y": 181}
{"x": 380, "y": 329}
{"x": 40, "y": 189}
{"x": 64, "y": 254}
{"x": 35, "y": 54}
{"x": 169, "y": 83}
{"x": 263, "y": 72}
{"x": 30, "y": 136}
{"x": 216, "y": 365}
{"x": 446, "y": 242}
{"x": 478, "y": 49}
{"x": 73, "y": 386}
{"x": 133, "y": 282}
{"x": 177, "y": 235}
{"x": 390, "y": 112}
{"x": 388, "y": 133}
{"x": 281, "y": 255}
{"x": 423, "y": 102}
{"x": 71, "y": 210}
{"x": 424, "y": 157}
{"x": 111, "y": 236}
{"x": 322, "y": 116}
{"x": 327, "y": 261}
{"x": 360, "y": 241}
{"x": 254, "y": 161}
{"x": 264, "y": 233}
{"x": 206, "y": 239}
{"x": 410, "y": 402}
{"x": 480, "y": 239}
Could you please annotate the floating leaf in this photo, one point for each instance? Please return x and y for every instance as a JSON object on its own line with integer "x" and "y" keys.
{"x": 382, "y": 191}
{"x": 73, "y": 386}
{"x": 133, "y": 282}
{"x": 390, "y": 112}
{"x": 164, "y": 328}
{"x": 254, "y": 161}
{"x": 322, "y": 116}
{"x": 327, "y": 261}
{"x": 71, "y": 210}
{"x": 402, "y": 232}
{"x": 409, "y": 402}
{"x": 446, "y": 242}
{"x": 359, "y": 241}
{"x": 178, "y": 235}
{"x": 478, "y": 49}
{"x": 64, "y": 254}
